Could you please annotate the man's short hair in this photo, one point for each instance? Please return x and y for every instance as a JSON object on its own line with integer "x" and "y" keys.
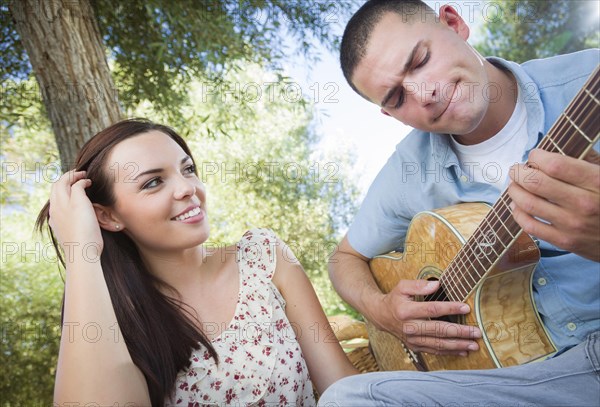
{"x": 360, "y": 27}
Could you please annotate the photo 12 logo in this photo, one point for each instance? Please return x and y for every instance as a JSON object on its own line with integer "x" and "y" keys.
{"x": 254, "y": 172}
{"x": 254, "y": 92}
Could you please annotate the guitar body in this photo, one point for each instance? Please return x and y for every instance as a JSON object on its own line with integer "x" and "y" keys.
{"x": 501, "y": 304}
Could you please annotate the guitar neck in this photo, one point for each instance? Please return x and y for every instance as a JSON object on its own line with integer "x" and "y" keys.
{"x": 573, "y": 134}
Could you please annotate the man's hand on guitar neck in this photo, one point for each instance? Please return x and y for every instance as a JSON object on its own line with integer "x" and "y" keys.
{"x": 412, "y": 321}
{"x": 563, "y": 191}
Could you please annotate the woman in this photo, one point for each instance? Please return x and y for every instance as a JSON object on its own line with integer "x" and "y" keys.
{"x": 156, "y": 317}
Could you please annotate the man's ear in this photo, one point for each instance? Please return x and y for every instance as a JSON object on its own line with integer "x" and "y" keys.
{"x": 106, "y": 219}
{"x": 451, "y": 18}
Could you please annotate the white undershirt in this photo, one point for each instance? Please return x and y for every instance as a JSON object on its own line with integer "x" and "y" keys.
{"x": 490, "y": 160}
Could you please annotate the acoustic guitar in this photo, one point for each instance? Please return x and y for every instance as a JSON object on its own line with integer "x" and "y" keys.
{"x": 481, "y": 257}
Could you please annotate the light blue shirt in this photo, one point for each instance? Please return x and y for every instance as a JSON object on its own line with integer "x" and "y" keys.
{"x": 424, "y": 173}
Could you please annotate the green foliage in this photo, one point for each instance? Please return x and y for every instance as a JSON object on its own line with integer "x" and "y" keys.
{"x": 30, "y": 281}
{"x": 13, "y": 58}
{"x": 31, "y": 290}
{"x": 520, "y": 30}
{"x": 26, "y": 142}
{"x": 157, "y": 46}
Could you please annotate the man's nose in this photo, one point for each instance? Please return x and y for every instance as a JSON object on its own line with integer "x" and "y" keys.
{"x": 427, "y": 92}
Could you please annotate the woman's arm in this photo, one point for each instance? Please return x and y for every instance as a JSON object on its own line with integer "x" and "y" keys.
{"x": 94, "y": 365}
{"x": 324, "y": 356}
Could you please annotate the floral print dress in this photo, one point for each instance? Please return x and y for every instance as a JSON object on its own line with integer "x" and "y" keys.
{"x": 260, "y": 360}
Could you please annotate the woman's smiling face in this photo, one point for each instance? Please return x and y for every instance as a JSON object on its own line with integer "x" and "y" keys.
{"x": 159, "y": 200}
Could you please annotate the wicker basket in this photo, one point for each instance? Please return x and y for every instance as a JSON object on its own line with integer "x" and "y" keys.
{"x": 363, "y": 360}
{"x": 354, "y": 339}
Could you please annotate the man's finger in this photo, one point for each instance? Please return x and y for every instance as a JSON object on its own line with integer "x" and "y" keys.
{"x": 582, "y": 173}
{"x": 533, "y": 179}
{"x": 439, "y": 330}
{"x": 417, "y": 287}
{"x": 525, "y": 202}
{"x": 436, "y": 336}
{"x": 430, "y": 309}
{"x": 535, "y": 227}
{"x": 592, "y": 157}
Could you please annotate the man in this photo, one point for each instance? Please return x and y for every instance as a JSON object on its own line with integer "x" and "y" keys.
{"x": 470, "y": 114}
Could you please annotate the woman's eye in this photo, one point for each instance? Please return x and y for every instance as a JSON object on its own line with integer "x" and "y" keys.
{"x": 424, "y": 61}
{"x": 190, "y": 169}
{"x": 153, "y": 183}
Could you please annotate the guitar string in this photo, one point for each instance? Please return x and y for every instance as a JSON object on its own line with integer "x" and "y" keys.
{"x": 504, "y": 214}
{"x": 565, "y": 128}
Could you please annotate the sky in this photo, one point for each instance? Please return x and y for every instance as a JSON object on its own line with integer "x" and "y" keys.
{"x": 344, "y": 118}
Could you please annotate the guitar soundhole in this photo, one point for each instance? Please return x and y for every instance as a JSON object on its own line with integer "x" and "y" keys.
{"x": 440, "y": 295}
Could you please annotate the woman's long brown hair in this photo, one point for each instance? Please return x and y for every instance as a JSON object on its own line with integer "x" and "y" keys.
{"x": 158, "y": 334}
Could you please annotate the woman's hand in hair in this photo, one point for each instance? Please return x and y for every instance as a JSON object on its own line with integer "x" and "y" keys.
{"x": 73, "y": 219}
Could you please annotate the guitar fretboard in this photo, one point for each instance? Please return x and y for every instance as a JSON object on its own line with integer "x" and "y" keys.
{"x": 573, "y": 134}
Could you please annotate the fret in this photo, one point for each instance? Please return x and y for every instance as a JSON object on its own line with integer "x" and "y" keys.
{"x": 444, "y": 283}
{"x": 450, "y": 294}
{"x": 507, "y": 220}
{"x": 448, "y": 289}
{"x": 578, "y": 146}
{"x": 488, "y": 242}
{"x": 478, "y": 261}
{"x": 449, "y": 286}
{"x": 592, "y": 96}
{"x": 468, "y": 269}
{"x": 465, "y": 290}
{"x": 556, "y": 145}
{"x": 466, "y": 272}
{"x": 576, "y": 127}
{"x": 479, "y": 258}
{"x": 472, "y": 283}
{"x": 501, "y": 244}
{"x": 502, "y": 222}
{"x": 497, "y": 247}
{"x": 458, "y": 277}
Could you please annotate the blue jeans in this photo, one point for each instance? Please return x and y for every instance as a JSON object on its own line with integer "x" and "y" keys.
{"x": 571, "y": 379}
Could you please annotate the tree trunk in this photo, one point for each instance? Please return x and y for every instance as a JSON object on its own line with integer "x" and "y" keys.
{"x": 65, "y": 49}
